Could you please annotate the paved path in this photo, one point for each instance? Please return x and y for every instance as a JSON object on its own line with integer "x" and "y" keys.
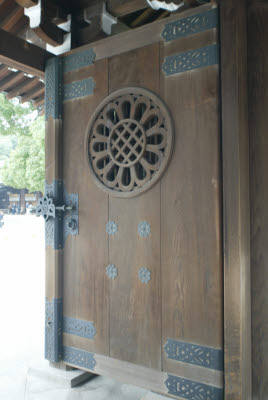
{"x": 24, "y": 374}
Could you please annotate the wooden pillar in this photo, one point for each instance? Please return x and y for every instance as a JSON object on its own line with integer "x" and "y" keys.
{"x": 53, "y": 176}
{"x": 258, "y": 130}
{"x": 237, "y": 316}
{"x": 22, "y": 201}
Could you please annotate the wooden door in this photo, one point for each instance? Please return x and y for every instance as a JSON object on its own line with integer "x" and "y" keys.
{"x": 138, "y": 277}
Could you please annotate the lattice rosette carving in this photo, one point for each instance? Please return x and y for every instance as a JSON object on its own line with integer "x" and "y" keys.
{"x": 129, "y": 142}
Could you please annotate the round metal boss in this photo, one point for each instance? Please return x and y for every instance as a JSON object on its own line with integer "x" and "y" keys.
{"x": 129, "y": 141}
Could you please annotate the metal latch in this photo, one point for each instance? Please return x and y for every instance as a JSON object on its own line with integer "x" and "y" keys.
{"x": 60, "y": 212}
{"x": 46, "y": 208}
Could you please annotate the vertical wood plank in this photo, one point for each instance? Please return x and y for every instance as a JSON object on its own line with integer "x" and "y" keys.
{"x": 86, "y": 255}
{"x": 191, "y": 254}
{"x": 237, "y": 316}
{"x": 258, "y": 122}
{"x": 135, "y": 312}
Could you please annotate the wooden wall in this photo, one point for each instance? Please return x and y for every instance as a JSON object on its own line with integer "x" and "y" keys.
{"x": 258, "y": 133}
{"x": 236, "y": 223}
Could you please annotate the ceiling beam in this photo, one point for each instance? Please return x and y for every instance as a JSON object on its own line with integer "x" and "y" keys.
{"x": 27, "y": 84}
{"x": 27, "y": 3}
{"x": 24, "y": 56}
{"x": 11, "y": 80}
{"x": 39, "y": 101}
{"x": 12, "y": 17}
{"x": 119, "y": 8}
{"x": 32, "y": 94}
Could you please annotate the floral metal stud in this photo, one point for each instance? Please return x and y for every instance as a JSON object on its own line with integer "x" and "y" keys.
{"x": 111, "y": 271}
{"x": 144, "y": 229}
{"x": 111, "y": 228}
{"x": 144, "y": 275}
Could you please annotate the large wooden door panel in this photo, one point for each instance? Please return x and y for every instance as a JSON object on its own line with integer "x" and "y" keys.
{"x": 164, "y": 332}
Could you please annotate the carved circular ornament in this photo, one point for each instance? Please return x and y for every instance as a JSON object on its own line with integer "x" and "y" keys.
{"x": 129, "y": 142}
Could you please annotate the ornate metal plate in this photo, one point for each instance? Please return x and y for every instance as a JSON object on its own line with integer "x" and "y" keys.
{"x": 53, "y": 95}
{"x": 64, "y": 224}
{"x": 53, "y": 330}
{"x": 191, "y": 390}
{"x": 194, "y": 354}
{"x": 78, "y": 60}
{"x": 129, "y": 142}
{"x": 191, "y": 25}
{"x": 70, "y": 218}
{"x": 78, "y": 89}
{"x": 53, "y": 226}
{"x": 79, "y": 358}
{"x": 79, "y": 327}
{"x": 190, "y": 60}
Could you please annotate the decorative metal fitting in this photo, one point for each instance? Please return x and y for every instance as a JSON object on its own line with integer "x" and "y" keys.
{"x": 46, "y": 208}
{"x": 72, "y": 224}
{"x": 111, "y": 228}
{"x": 79, "y": 327}
{"x": 79, "y": 358}
{"x": 144, "y": 275}
{"x": 111, "y": 271}
{"x": 144, "y": 229}
{"x": 61, "y": 220}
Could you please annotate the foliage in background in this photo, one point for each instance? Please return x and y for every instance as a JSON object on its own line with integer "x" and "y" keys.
{"x": 15, "y": 118}
{"x": 25, "y": 167}
{"x": 7, "y": 143}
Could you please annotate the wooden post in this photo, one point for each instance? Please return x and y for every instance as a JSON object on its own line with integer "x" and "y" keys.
{"x": 53, "y": 175}
{"x": 237, "y": 302}
{"x": 22, "y": 201}
{"x": 258, "y": 122}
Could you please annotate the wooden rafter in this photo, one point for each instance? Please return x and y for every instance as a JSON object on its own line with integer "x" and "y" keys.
{"x": 22, "y": 55}
{"x": 23, "y": 87}
{"x": 4, "y": 71}
{"x": 119, "y": 8}
{"x": 10, "y": 80}
{"x": 12, "y": 17}
{"x": 32, "y": 94}
{"x": 27, "y": 3}
{"x": 39, "y": 101}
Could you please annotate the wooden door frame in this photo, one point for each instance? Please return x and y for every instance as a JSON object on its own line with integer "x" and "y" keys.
{"x": 236, "y": 208}
{"x": 235, "y": 161}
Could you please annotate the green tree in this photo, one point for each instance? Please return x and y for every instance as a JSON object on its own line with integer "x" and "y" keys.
{"x": 15, "y": 118}
{"x": 25, "y": 167}
{"x": 7, "y": 143}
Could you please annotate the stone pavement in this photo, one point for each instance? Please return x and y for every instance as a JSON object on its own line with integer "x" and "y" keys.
{"x": 24, "y": 374}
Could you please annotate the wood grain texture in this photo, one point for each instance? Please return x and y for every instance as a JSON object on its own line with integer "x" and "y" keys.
{"x": 135, "y": 311}
{"x": 134, "y": 39}
{"x": 237, "y": 316}
{"x": 54, "y": 276}
{"x": 191, "y": 253}
{"x": 258, "y": 122}
{"x": 86, "y": 288}
{"x": 24, "y": 56}
{"x": 53, "y": 144}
